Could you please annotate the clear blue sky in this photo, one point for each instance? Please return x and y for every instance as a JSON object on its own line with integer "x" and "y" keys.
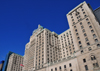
{"x": 18, "y": 19}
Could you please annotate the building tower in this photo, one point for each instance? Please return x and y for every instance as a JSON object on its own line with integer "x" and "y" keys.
{"x": 41, "y": 49}
{"x": 84, "y": 26}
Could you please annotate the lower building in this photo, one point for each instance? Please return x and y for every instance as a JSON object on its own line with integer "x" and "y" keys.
{"x": 88, "y": 60}
{"x": 15, "y": 62}
{"x": 6, "y": 61}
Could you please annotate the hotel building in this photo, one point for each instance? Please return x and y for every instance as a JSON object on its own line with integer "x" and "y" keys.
{"x": 76, "y": 49}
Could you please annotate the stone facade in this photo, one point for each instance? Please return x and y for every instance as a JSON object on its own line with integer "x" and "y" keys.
{"x": 14, "y": 62}
{"x": 76, "y": 49}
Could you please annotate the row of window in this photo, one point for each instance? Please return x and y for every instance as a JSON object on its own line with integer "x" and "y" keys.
{"x": 70, "y": 65}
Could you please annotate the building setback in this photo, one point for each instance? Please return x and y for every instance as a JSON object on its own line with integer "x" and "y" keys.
{"x": 76, "y": 49}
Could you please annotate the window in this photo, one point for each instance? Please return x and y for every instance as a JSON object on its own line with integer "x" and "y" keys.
{"x": 78, "y": 38}
{"x": 76, "y": 30}
{"x": 77, "y": 17}
{"x": 82, "y": 27}
{"x": 94, "y": 35}
{"x": 82, "y": 9}
{"x": 64, "y": 66}
{"x": 88, "y": 23}
{"x": 85, "y": 34}
{"x": 77, "y": 13}
{"x": 83, "y": 12}
{"x": 84, "y": 15}
{"x": 80, "y": 46}
{"x": 83, "y": 30}
{"x": 51, "y": 69}
{"x": 74, "y": 26}
{"x": 98, "y": 45}
{"x": 89, "y": 48}
{"x": 79, "y": 42}
{"x": 90, "y": 26}
{"x": 76, "y": 33}
{"x": 71, "y": 70}
{"x": 84, "y": 60}
{"x": 86, "y": 39}
{"x": 71, "y": 16}
{"x": 92, "y": 31}
{"x": 55, "y": 69}
{"x": 73, "y": 22}
{"x": 87, "y": 19}
{"x": 60, "y": 67}
{"x": 96, "y": 40}
{"x": 70, "y": 65}
{"x": 95, "y": 65}
{"x": 86, "y": 67}
{"x": 88, "y": 43}
{"x": 93, "y": 57}
{"x": 81, "y": 51}
{"x": 80, "y": 23}
{"x": 72, "y": 19}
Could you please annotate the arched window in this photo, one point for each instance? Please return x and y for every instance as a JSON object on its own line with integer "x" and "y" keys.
{"x": 93, "y": 57}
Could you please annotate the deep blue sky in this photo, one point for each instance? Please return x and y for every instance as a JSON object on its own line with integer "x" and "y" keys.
{"x": 18, "y": 19}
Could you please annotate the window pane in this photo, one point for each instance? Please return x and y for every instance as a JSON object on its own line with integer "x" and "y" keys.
{"x": 64, "y": 66}
{"x": 84, "y": 60}
{"x": 86, "y": 67}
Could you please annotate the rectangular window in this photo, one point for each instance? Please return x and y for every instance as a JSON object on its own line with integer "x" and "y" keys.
{"x": 88, "y": 23}
{"x": 79, "y": 42}
{"x": 78, "y": 38}
{"x": 80, "y": 23}
{"x": 80, "y": 46}
{"x": 81, "y": 51}
{"x": 88, "y": 43}
{"x": 84, "y": 60}
{"x": 90, "y": 26}
{"x": 83, "y": 30}
{"x": 51, "y": 69}
{"x": 96, "y": 40}
{"x": 76, "y": 30}
{"x": 55, "y": 69}
{"x": 86, "y": 67}
{"x": 70, "y": 65}
{"x": 86, "y": 39}
{"x": 76, "y": 33}
{"x": 92, "y": 31}
{"x": 82, "y": 27}
{"x": 60, "y": 67}
{"x": 64, "y": 66}
{"x": 85, "y": 34}
{"x": 94, "y": 35}
{"x": 87, "y": 19}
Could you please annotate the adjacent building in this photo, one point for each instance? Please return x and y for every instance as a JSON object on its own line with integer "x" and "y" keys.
{"x": 6, "y": 61}
{"x": 1, "y": 64}
{"x": 76, "y": 49}
{"x": 97, "y": 14}
{"x": 15, "y": 62}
